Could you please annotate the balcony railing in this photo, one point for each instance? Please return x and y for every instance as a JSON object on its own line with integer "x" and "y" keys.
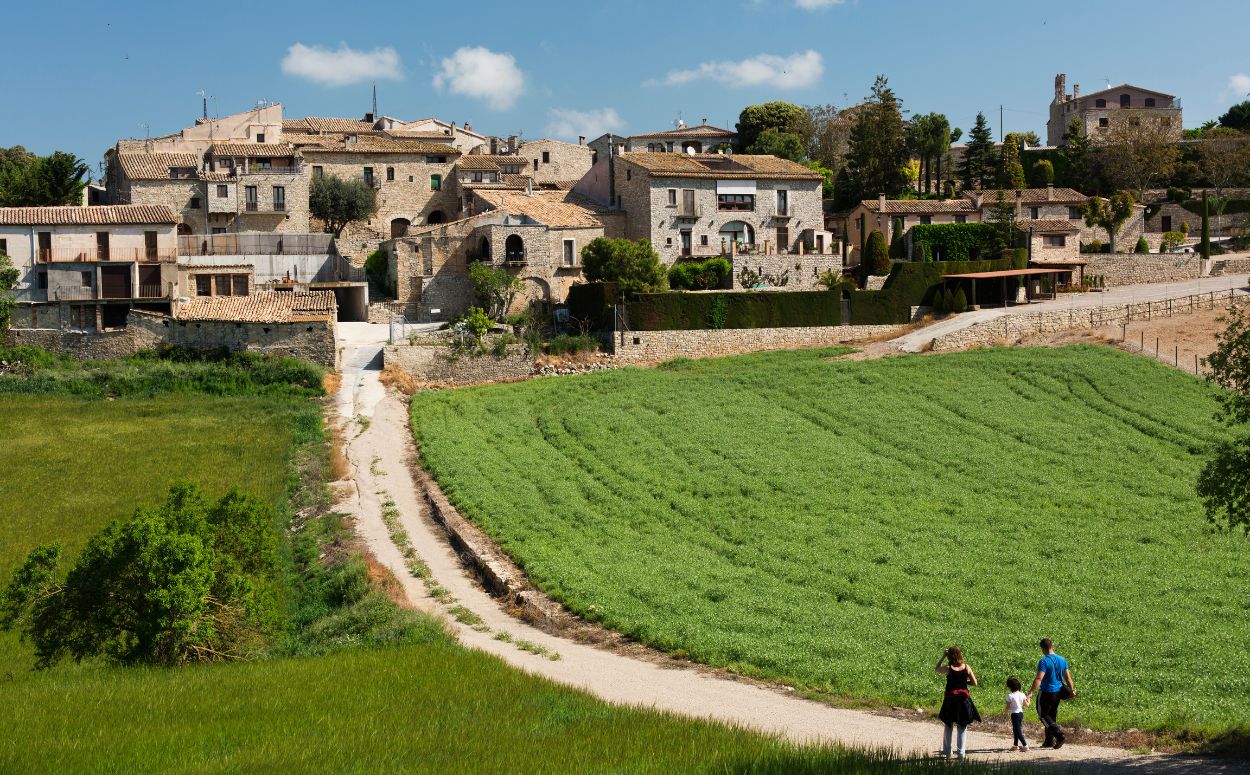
{"x": 279, "y": 207}
{"x": 254, "y": 244}
{"x": 70, "y": 293}
{"x": 691, "y": 211}
{"x": 155, "y": 291}
{"x": 253, "y": 207}
{"x": 142, "y": 255}
{"x": 269, "y": 171}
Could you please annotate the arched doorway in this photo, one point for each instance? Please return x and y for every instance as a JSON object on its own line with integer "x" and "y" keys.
{"x": 483, "y": 250}
{"x": 399, "y": 227}
{"x": 514, "y": 249}
{"x": 737, "y": 231}
{"x": 436, "y": 217}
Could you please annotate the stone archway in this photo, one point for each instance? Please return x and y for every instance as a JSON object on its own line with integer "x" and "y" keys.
{"x": 399, "y": 227}
{"x": 514, "y": 249}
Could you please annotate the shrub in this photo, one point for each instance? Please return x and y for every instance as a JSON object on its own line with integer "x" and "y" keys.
{"x": 953, "y": 241}
{"x": 1185, "y": 227}
{"x": 939, "y": 304}
{"x": 718, "y": 313}
{"x": 830, "y": 279}
{"x": 633, "y": 266}
{"x": 1142, "y": 245}
{"x": 876, "y": 254}
{"x": 1043, "y": 173}
{"x": 494, "y": 288}
{"x": 741, "y": 309}
{"x": 898, "y": 245}
{"x": 571, "y": 344}
{"x": 1178, "y": 195}
{"x": 1170, "y": 241}
{"x": 948, "y": 300}
{"x": 959, "y": 302}
{"x": 699, "y": 275}
{"x": 475, "y": 323}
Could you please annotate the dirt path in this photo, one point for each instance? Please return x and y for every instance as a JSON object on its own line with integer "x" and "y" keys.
{"x": 379, "y": 449}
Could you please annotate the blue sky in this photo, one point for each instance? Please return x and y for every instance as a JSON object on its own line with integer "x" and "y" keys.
{"x": 563, "y": 68}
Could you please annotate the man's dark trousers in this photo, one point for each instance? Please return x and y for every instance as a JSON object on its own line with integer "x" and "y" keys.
{"x": 1048, "y": 713}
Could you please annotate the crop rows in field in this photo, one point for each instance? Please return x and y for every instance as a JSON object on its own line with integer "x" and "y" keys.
{"x": 835, "y": 524}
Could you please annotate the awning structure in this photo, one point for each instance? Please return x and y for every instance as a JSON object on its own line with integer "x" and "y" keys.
{"x": 1005, "y": 273}
{"x": 974, "y": 278}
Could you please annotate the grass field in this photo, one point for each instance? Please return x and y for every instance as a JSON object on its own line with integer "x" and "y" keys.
{"x": 835, "y": 524}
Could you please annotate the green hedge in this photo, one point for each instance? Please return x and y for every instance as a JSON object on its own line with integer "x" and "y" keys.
{"x": 745, "y": 309}
{"x": 911, "y": 284}
{"x": 952, "y": 241}
{"x": 591, "y": 303}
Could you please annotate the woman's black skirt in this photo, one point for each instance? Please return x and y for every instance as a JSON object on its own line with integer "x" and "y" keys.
{"x": 958, "y": 709}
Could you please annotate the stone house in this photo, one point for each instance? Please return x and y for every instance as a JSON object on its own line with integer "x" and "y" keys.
{"x": 1052, "y": 240}
{"x": 1098, "y": 110}
{"x": 86, "y": 267}
{"x": 694, "y": 206}
{"x": 554, "y": 161}
{"x": 895, "y": 217}
{"x": 701, "y": 138}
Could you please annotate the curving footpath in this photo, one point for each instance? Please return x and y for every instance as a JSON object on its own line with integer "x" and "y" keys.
{"x": 380, "y": 449}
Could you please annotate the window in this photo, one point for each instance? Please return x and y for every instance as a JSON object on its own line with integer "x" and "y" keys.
{"x": 87, "y": 278}
{"x": 739, "y": 202}
{"x": 477, "y": 177}
{"x": 409, "y": 178}
{"x": 195, "y": 203}
{"x": 783, "y": 238}
{"x": 703, "y": 240}
{"x": 672, "y": 197}
{"x": 41, "y": 281}
{"x": 219, "y": 230}
{"x": 239, "y": 284}
{"x": 279, "y": 198}
{"x": 436, "y": 182}
{"x": 1035, "y": 213}
{"x": 264, "y": 164}
{"x": 1074, "y": 213}
{"x": 546, "y": 157}
{"x": 961, "y": 219}
{"x": 926, "y": 219}
{"x": 4, "y": 246}
{"x": 651, "y": 147}
{"x": 82, "y": 317}
{"x": 435, "y": 159}
{"x": 1124, "y": 101}
{"x": 251, "y": 200}
{"x": 536, "y": 165}
{"x": 737, "y": 231}
{"x": 368, "y": 175}
{"x": 1100, "y": 103}
{"x": 390, "y": 173}
{"x": 1054, "y": 240}
{"x": 1150, "y": 102}
{"x": 783, "y": 202}
{"x": 570, "y": 254}
{"x": 203, "y": 285}
{"x": 223, "y": 284}
{"x": 260, "y": 137}
{"x": 1102, "y": 122}
{"x": 223, "y": 191}
{"x": 629, "y": 174}
{"x": 318, "y": 171}
{"x": 669, "y": 147}
{"x": 668, "y": 241}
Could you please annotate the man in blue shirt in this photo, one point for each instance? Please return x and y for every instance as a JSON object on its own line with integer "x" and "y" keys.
{"x": 1053, "y": 677}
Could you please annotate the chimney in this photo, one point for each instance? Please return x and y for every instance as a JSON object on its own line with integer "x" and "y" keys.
{"x": 529, "y": 186}
{"x": 494, "y": 146}
{"x": 1050, "y": 192}
{"x": 976, "y": 199}
{"x": 513, "y": 146}
{"x": 468, "y": 127}
{"x": 581, "y": 139}
{"x": 369, "y": 118}
{"x": 881, "y": 203}
{"x": 1076, "y": 90}
{"x": 1019, "y": 202}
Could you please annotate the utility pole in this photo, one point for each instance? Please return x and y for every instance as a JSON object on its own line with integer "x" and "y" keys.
{"x": 1000, "y": 123}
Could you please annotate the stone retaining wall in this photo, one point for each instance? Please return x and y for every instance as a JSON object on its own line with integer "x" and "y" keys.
{"x": 1138, "y": 268}
{"x": 649, "y": 346}
{"x": 436, "y": 365}
{"x": 1009, "y": 328}
{"x": 1233, "y": 265}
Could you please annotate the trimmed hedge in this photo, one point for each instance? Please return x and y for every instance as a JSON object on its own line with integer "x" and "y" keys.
{"x": 591, "y": 303}
{"x": 740, "y": 309}
{"x": 952, "y": 241}
{"x": 911, "y": 284}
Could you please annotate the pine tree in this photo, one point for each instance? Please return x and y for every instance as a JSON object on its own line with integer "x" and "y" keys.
{"x": 978, "y": 162}
{"x": 878, "y": 145}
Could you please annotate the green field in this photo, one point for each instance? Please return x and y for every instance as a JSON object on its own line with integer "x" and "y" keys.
{"x": 835, "y": 524}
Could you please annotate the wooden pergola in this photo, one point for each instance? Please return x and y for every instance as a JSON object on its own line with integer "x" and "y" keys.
{"x": 1002, "y": 276}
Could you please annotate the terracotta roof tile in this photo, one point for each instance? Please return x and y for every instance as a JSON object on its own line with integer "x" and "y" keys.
{"x": 558, "y": 209}
{"x": 259, "y": 307}
{"x": 332, "y": 125}
{"x": 698, "y": 130}
{"x": 1030, "y": 196}
{"x": 920, "y": 206}
{"x": 374, "y": 144}
{"x": 714, "y": 165}
{"x": 154, "y": 166}
{"x": 252, "y": 149}
{"x": 1046, "y": 225}
{"x": 107, "y": 215}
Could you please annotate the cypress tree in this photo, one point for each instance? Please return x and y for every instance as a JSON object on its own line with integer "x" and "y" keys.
{"x": 978, "y": 161}
{"x": 1205, "y": 244}
{"x": 960, "y": 302}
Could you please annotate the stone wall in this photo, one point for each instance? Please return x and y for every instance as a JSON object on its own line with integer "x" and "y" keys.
{"x": 565, "y": 161}
{"x": 435, "y": 365}
{"x": 310, "y": 341}
{"x": 1138, "y": 268}
{"x": 1010, "y": 328}
{"x": 651, "y": 346}
{"x": 1239, "y": 265}
{"x": 802, "y": 271}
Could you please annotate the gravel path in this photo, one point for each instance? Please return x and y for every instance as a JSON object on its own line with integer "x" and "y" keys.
{"x": 379, "y": 451}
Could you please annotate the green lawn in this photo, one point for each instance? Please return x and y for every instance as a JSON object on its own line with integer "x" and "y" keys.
{"x": 835, "y": 524}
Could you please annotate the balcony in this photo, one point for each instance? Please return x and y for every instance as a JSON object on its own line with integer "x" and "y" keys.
{"x": 689, "y": 212}
{"x": 71, "y": 293}
{"x": 254, "y": 244}
{"x": 279, "y": 207}
{"x": 98, "y": 254}
{"x": 252, "y": 207}
{"x": 240, "y": 172}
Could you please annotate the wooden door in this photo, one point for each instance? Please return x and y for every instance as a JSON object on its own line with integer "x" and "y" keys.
{"x": 101, "y": 246}
{"x": 45, "y": 246}
{"x": 149, "y": 245}
{"x": 687, "y": 246}
{"x": 150, "y": 282}
{"x": 115, "y": 282}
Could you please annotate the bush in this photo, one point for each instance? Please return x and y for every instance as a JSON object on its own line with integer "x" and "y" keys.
{"x": 475, "y": 323}
{"x": 736, "y": 309}
{"x": 939, "y": 304}
{"x": 1178, "y": 195}
{"x": 634, "y": 266}
{"x": 1142, "y": 245}
{"x": 571, "y": 344}
{"x": 948, "y": 299}
{"x": 831, "y": 279}
{"x": 1185, "y": 227}
{"x": 876, "y": 254}
{"x": 699, "y": 275}
{"x": 960, "y": 301}
{"x": 953, "y": 241}
{"x": 1043, "y": 173}
{"x": 377, "y": 269}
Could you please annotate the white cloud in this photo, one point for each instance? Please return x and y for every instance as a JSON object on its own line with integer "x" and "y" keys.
{"x": 793, "y": 72}
{"x": 1238, "y": 86}
{"x": 569, "y": 124}
{"x": 812, "y": 5}
{"x": 482, "y": 74}
{"x": 341, "y": 66}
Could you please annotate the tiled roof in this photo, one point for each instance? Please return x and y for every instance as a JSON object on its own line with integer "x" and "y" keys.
{"x": 558, "y": 209}
{"x": 154, "y": 166}
{"x": 1047, "y": 225}
{"x": 714, "y": 165}
{"x": 698, "y": 130}
{"x": 215, "y": 177}
{"x": 260, "y": 307}
{"x": 373, "y": 144}
{"x": 415, "y": 134}
{"x": 332, "y": 125}
{"x": 252, "y": 149}
{"x": 486, "y": 161}
{"x": 107, "y": 215}
{"x": 1029, "y": 196}
{"x": 920, "y": 206}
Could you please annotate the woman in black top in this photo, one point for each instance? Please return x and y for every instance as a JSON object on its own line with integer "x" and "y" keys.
{"x": 957, "y": 708}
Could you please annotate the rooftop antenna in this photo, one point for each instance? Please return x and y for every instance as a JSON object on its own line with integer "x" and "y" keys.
{"x": 147, "y": 136}
{"x": 1107, "y": 78}
{"x": 375, "y": 100}
{"x": 678, "y": 123}
{"x": 204, "y": 98}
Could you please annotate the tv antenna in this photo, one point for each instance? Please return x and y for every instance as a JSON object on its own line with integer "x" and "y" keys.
{"x": 1107, "y": 78}
{"x": 678, "y": 123}
{"x": 203, "y": 95}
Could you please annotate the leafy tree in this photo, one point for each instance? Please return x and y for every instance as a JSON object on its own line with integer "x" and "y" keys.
{"x": 1043, "y": 173}
{"x": 27, "y": 180}
{"x": 494, "y": 288}
{"x": 1224, "y": 484}
{"x": 947, "y": 184}
{"x": 776, "y": 142}
{"x": 1078, "y": 157}
{"x": 1237, "y": 117}
{"x": 876, "y": 254}
{"x": 1170, "y": 241}
{"x": 1010, "y": 171}
{"x": 929, "y": 137}
{"x": 977, "y": 168}
{"x": 826, "y": 186}
{"x": 187, "y": 581}
{"x": 8, "y": 279}
{"x": 633, "y": 266}
{"x": 1224, "y": 156}
{"x": 831, "y": 134}
{"x": 1003, "y": 218}
{"x": 783, "y": 116}
{"x": 878, "y": 145}
{"x": 1030, "y": 139}
{"x": 1109, "y": 214}
{"x": 339, "y": 202}
{"x": 476, "y": 323}
{"x": 1136, "y": 152}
